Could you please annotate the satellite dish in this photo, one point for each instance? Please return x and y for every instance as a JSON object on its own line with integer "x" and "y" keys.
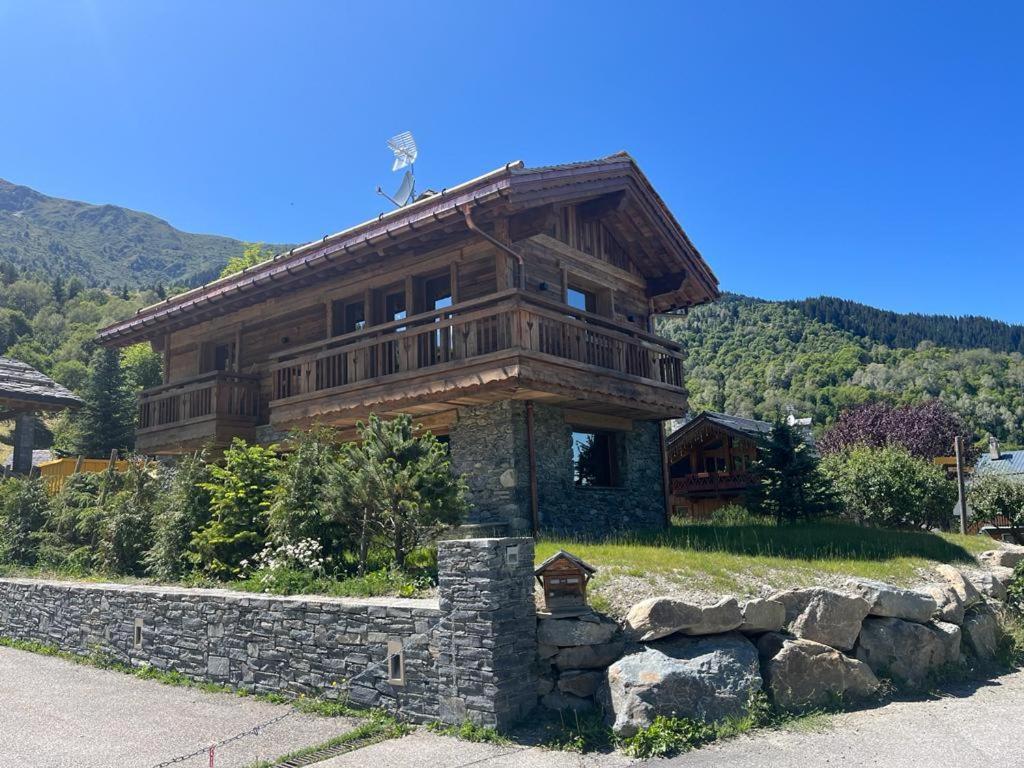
{"x": 404, "y": 148}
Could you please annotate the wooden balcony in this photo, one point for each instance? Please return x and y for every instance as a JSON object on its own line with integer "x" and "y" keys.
{"x": 505, "y": 345}
{"x": 712, "y": 482}
{"x": 207, "y": 410}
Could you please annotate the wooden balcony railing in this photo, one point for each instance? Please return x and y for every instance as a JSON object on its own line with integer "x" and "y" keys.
{"x": 712, "y": 481}
{"x": 507, "y": 321}
{"x": 214, "y": 395}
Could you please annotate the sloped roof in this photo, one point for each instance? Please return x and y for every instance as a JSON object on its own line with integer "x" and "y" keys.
{"x": 516, "y": 187}
{"x": 562, "y": 554}
{"x": 1008, "y": 463}
{"x": 737, "y": 424}
{"x": 23, "y": 388}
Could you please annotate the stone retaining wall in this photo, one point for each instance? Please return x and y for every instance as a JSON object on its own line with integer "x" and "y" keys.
{"x": 466, "y": 656}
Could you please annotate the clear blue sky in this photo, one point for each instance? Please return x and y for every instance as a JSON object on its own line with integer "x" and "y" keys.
{"x": 870, "y": 150}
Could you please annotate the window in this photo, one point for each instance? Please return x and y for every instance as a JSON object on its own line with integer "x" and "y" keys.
{"x": 394, "y": 307}
{"x": 595, "y": 459}
{"x": 581, "y": 299}
{"x": 347, "y": 316}
{"x": 437, "y": 292}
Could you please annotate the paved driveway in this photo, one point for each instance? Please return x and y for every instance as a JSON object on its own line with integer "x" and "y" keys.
{"x": 54, "y": 714}
{"x": 971, "y": 727}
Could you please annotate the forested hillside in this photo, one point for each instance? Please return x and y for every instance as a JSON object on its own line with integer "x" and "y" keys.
{"x": 908, "y": 330}
{"x": 103, "y": 244}
{"x": 756, "y": 358}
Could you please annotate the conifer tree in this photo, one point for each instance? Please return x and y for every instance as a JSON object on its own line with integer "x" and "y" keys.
{"x": 791, "y": 485}
{"x": 106, "y": 421}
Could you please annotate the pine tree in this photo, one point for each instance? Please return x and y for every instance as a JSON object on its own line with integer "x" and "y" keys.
{"x": 106, "y": 421}
{"x": 791, "y": 486}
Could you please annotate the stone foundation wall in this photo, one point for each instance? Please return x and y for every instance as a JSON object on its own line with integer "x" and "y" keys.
{"x": 489, "y": 446}
{"x": 467, "y": 656}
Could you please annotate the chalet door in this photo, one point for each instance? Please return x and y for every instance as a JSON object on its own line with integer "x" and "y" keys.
{"x": 436, "y": 346}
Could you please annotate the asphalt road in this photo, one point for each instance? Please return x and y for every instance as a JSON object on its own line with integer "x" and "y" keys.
{"x": 55, "y": 714}
{"x": 974, "y": 726}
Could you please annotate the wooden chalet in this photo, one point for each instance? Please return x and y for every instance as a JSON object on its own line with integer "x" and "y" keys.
{"x": 710, "y": 462}
{"x": 512, "y": 313}
{"x": 25, "y": 392}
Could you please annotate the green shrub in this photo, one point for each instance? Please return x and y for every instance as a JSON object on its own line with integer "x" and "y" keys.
{"x": 993, "y": 496}
{"x": 300, "y": 507}
{"x": 23, "y": 509}
{"x": 182, "y": 508}
{"x": 240, "y": 495}
{"x": 1015, "y": 590}
{"x": 127, "y": 528}
{"x": 889, "y": 487}
{"x": 395, "y": 488}
{"x": 72, "y": 530}
{"x": 734, "y": 514}
{"x": 668, "y": 736}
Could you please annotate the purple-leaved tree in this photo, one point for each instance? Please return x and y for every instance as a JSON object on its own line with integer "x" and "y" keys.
{"x": 926, "y": 430}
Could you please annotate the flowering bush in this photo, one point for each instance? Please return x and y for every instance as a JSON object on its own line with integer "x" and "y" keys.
{"x": 284, "y": 568}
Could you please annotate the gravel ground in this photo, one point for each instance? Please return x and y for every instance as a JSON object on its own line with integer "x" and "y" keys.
{"x": 55, "y": 714}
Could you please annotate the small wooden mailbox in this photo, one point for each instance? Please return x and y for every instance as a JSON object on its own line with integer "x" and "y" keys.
{"x": 564, "y": 577}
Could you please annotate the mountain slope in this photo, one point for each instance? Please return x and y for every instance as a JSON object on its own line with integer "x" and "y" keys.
{"x": 758, "y": 359}
{"x": 103, "y": 244}
{"x": 908, "y": 330}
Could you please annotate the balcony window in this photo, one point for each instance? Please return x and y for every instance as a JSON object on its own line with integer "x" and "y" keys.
{"x": 581, "y": 299}
{"x": 347, "y": 316}
{"x": 595, "y": 459}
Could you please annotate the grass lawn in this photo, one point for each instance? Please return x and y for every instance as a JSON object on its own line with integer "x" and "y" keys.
{"x": 701, "y": 560}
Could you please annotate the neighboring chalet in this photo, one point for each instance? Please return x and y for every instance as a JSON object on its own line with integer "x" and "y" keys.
{"x": 511, "y": 314}
{"x": 710, "y": 459}
{"x": 25, "y": 392}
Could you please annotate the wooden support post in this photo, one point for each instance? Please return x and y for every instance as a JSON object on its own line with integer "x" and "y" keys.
{"x": 665, "y": 486}
{"x": 24, "y": 442}
{"x": 957, "y": 449}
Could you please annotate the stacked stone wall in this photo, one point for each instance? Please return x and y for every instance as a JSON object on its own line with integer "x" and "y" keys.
{"x": 468, "y": 658}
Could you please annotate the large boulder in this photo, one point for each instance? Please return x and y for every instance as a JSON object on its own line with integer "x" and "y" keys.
{"x": 894, "y": 602}
{"x": 802, "y": 673}
{"x": 950, "y": 637}
{"x": 981, "y": 633}
{"x": 567, "y": 632}
{"x": 659, "y": 617}
{"x": 824, "y": 615}
{"x": 761, "y": 615}
{"x": 991, "y": 583}
{"x": 706, "y": 678}
{"x": 960, "y": 584}
{"x": 1007, "y": 556}
{"x": 905, "y": 650}
{"x": 588, "y": 656}
{"x": 949, "y": 606}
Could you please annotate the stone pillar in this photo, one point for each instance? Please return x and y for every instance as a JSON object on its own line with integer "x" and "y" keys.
{"x": 24, "y": 441}
{"x": 487, "y": 635}
{"x": 488, "y": 446}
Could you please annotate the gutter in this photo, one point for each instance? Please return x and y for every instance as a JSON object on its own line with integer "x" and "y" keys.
{"x": 468, "y": 216}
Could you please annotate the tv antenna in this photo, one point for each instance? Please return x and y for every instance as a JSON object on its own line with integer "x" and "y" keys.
{"x": 404, "y": 148}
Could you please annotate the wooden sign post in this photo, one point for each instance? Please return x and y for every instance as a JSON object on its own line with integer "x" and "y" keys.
{"x": 960, "y": 483}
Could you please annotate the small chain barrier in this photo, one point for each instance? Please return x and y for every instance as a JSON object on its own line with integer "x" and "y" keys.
{"x": 210, "y": 750}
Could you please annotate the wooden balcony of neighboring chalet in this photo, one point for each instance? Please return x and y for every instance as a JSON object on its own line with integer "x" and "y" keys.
{"x": 511, "y": 344}
{"x": 712, "y": 483}
{"x": 206, "y": 410}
